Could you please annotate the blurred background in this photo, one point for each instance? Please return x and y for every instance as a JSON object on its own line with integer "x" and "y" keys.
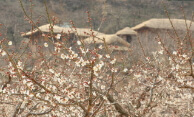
{"x": 116, "y": 14}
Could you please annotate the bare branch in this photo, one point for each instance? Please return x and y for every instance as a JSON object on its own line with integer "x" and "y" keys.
{"x": 17, "y": 109}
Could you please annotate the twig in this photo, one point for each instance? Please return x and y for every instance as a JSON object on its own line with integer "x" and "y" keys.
{"x": 91, "y": 88}
{"x": 117, "y": 106}
{"x": 141, "y": 47}
{"x": 34, "y": 81}
{"x": 96, "y": 111}
{"x": 17, "y": 109}
{"x": 9, "y": 80}
{"x": 42, "y": 113}
{"x": 178, "y": 39}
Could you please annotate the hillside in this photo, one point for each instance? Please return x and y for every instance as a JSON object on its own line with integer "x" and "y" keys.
{"x": 117, "y": 13}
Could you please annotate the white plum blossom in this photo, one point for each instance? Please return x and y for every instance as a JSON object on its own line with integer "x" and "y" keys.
{"x": 100, "y": 47}
{"x": 125, "y": 70}
{"x": 47, "y": 97}
{"x": 75, "y": 55}
{"x": 107, "y": 56}
{"x": 114, "y": 70}
{"x": 177, "y": 66}
{"x": 99, "y": 56}
{"x": 161, "y": 51}
{"x": 102, "y": 86}
{"x": 113, "y": 61}
{"x": 173, "y": 67}
{"x": 160, "y": 78}
{"x": 174, "y": 52}
{"x": 57, "y": 74}
{"x": 96, "y": 73}
{"x": 52, "y": 71}
{"x": 83, "y": 51}
{"x": 72, "y": 55}
{"x": 45, "y": 44}
{"x": 38, "y": 95}
{"x": 19, "y": 65}
{"x": 31, "y": 95}
{"x": 58, "y": 36}
{"x": 58, "y": 98}
{"x": 137, "y": 75}
{"x": 58, "y": 44}
{"x": 85, "y": 63}
{"x": 10, "y": 43}
{"x": 184, "y": 55}
{"x": 98, "y": 67}
{"x": 170, "y": 59}
{"x": 145, "y": 71}
{"x": 3, "y": 53}
{"x": 29, "y": 84}
{"x": 85, "y": 84}
{"x": 27, "y": 92}
{"x": 81, "y": 62}
{"x": 65, "y": 100}
{"x": 79, "y": 42}
{"x": 57, "y": 47}
{"x": 11, "y": 69}
{"x": 63, "y": 56}
{"x": 148, "y": 58}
